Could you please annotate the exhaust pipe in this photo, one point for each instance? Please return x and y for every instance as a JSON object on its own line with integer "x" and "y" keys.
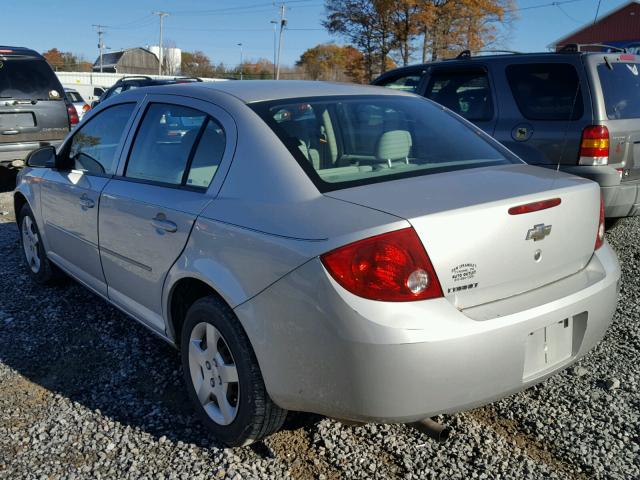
{"x": 433, "y": 429}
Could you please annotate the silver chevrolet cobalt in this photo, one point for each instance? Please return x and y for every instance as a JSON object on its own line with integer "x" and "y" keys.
{"x": 346, "y": 250}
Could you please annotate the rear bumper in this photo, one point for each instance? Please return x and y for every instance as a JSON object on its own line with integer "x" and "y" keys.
{"x": 326, "y": 351}
{"x": 621, "y": 199}
{"x": 19, "y": 151}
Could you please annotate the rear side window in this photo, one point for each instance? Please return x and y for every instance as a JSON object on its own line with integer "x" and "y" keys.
{"x": 93, "y": 147}
{"x": 621, "y": 89}
{"x": 176, "y": 145}
{"x": 28, "y": 78}
{"x": 466, "y": 93}
{"x": 546, "y": 91}
{"x": 347, "y": 141}
{"x": 74, "y": 97}
{"x": 406, "y": 83}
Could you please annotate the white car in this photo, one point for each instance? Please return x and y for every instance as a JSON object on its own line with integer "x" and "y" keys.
{"x": 78, "y": 102}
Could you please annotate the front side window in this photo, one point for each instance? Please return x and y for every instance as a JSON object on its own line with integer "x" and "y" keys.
{"x": 466, "y": 93}
{"x": 94, "y": 146}
{"x": 621, "y": 89}
{"x": 176, "y": 145}
{"x": 546, "y": 91}
{"x": 348, "y": 141}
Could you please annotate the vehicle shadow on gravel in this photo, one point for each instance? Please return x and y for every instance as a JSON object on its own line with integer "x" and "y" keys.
{"x": 67, "y": 340}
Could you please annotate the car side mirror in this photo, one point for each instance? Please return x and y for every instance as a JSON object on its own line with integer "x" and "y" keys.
{"x": 44, "y": 157}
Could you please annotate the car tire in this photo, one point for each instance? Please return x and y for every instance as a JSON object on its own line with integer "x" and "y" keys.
{"x": 224, "y": 380}
{"x": 33, "y": 254}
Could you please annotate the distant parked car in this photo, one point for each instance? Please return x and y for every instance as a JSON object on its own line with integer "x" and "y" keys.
{"x": 33, "y": 108}
{"x": 345, "y": 250}
{"x": 78, "y": 102}
{"x": 137, "y": 81}
{"x": 573, "y": 109}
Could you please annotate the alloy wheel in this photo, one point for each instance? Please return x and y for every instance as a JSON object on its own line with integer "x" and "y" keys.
{"x": 30, "y": 243}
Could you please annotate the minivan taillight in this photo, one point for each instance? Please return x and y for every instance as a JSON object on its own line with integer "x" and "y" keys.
{"x": 392, "y": 267}
{"x": 72, "y": 114}
{"x": 594, "y": 145}
{"x": 600, "y": 233}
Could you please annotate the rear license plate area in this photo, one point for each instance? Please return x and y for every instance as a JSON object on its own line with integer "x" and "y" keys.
{"x": 16, "y": 120}
{"x": 548, "y": 346}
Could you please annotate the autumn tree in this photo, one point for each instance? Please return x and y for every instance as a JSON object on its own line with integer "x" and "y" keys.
{"x": 66, "y": 61}
{"x": 332, "y": 62}
{"x": 196, "y": 64}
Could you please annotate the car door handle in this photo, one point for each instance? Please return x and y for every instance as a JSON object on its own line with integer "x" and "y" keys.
{"x": 163, "y": 224}
{"x": 86, "y": 202}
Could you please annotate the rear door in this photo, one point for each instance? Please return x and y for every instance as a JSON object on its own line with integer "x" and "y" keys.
{"x": 148, "y": 210}
{"x": 32, "y": 106}
{"x": 616, "y": 81}
{"x": 544, "y": 105}
{"x": 467, "y": 90}
{"x": 70, "y": 195}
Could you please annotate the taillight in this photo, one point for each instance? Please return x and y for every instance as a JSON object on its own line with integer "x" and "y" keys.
{"x": 86, "y": 108}
{"x": 392, "y": 267}
{"x": 72, "y": 114}
{"x": 594, "y": 145}
{"x": 600, "y": 234}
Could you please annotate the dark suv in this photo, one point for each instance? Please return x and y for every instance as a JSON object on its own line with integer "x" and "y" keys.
{"x": 137, "y": 81}
{"x": 573, "y": 110}
{"x": 34, "y": 111}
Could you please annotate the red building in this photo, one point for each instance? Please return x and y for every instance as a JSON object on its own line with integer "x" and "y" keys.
{"x": 618, "y": 28}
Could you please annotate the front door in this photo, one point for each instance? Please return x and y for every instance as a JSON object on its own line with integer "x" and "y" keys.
{"x": 70, "y": 195}
{"x": 147, "y": 212}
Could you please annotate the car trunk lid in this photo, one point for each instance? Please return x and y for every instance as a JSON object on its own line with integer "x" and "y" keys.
{"x": 481, "y": 252}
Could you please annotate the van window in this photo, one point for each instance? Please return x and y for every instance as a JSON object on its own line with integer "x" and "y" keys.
{"x": 405, "y": 83}
{"x": 376, "y": 139}
{"x": 28, "y": 78}
{"x": 621, "y": 89}
{"x": 546, "y": 91}
{"x": 466, "y": 93}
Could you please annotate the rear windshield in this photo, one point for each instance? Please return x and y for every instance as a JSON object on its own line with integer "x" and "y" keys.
{"x": 28, "y": 78}
{"x": 347, "y": 141}
{"x": 74, "y": 97}
{"x": 620, "y": 84}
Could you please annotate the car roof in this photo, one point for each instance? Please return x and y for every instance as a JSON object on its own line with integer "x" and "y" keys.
{"x": 18, "y": 51}
{"x": 250, "y": 91}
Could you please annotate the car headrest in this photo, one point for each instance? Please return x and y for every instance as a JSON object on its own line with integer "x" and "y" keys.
{"x": 393, "y": 145}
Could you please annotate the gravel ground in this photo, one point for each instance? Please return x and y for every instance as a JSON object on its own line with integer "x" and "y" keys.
{"x": 87, "y": 393}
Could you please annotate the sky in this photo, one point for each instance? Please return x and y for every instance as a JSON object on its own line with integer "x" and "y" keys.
{"x": 217, "y": 26}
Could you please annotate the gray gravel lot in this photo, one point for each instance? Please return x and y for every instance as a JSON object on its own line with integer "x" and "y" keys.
{"x": 87, "y": 393}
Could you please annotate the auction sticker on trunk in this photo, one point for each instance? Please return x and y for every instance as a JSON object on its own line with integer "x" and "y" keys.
{"x": 463, "y": 272}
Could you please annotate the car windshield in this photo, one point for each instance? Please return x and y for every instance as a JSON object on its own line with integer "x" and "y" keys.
{"x": 28, "y": 78}
{"x": 348, "y": 141}
{"x": 621, "y": 89}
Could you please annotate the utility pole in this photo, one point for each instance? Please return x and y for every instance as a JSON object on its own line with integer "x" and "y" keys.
{"x": 283, "y": 23}
{"x": 241, "y": 61}
{"x": 100, "y": 30}
{"x": 161, "y": 15}
{"x": 275, "y": 45}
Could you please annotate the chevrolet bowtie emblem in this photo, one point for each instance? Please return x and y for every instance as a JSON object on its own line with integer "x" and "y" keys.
{"x": 538, "y": 232}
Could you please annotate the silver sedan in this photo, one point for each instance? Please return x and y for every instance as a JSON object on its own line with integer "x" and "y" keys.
{"x": 346, "y": 250}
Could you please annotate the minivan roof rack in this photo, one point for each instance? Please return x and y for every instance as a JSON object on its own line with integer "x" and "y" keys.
{"x": 467, "y": 53}
{"x": 195, "y": 79}
{"x": 576, "y": 47}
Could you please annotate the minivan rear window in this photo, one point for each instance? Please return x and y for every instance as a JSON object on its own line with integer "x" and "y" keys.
{"x": 546, "y": 91}
{"x": 28, "y": 78}
{"x": 355, "y": 140}
{"x": 620, "y": 84}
